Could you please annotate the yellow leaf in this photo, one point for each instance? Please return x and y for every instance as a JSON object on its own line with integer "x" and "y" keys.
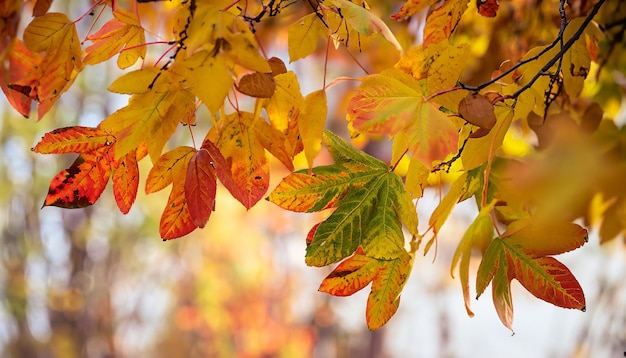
{"x": 442, "y": 22}
{"x": 138, "y": 81}
{"x": 55, "y": 34}
{"x": 443, "y": 210}
{"x": 311, "y": 124}
{"x": 478, "y": 150}
{"x": 286, "y": 103}
{"x": 203, "y": 67}
{"x": 416, "y": 178}
{"x": 304, "y": 35}
{"x": 242, "y": 48}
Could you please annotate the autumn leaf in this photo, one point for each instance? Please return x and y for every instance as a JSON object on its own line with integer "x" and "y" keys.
{"x": 543, "y": 276}
{"x": 150, "y": 116}
{"x": 246, "y": 155}
{"x": 477, "y": 235}
{"x": 388, "y": 277}
{"x": 442, "y": 22}
{"x": 122, "y": 35}
{"x": 19, "y": 82}
{"x": 392, "y": 103}
{"x": 200, "y": 187}
{"x": 259, "y": 85}
{"x": 54, "y": 34}
{"x": 83, "y": 182}
{"x": 172, "y": 168}
{"x": 125, "y": 181}
{"x": 287, "y": 101}
{"x": 303, "y": 36}
{"x": 311, "y": 124}
{"x": 411, "y": 7}
{"x": 371, "y": 205}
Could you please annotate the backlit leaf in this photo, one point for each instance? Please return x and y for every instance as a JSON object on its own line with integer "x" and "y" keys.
{"x": 123, "y": 35}
{"x": 442, "y": 22}
{"x": 304, "y": 35}
{"x": 200, "y": 188}
{"x": 351, "y": 275}
{"x": 384, "y": 299}
{"x": 478, "y": 150}
{"x": 241, "y": 148}
{"x": 411, "y": 7}
{"x": 164, "y": 171}
{"x": 542, "y": 238}
{"x": 75, "y": 139}
{"x": 81, "y": 184}
{"x": 443, "y": 210}
{"x": 311, "y": 124}
{"x": 125, "y": 181}
{"x": 287, "y": 101}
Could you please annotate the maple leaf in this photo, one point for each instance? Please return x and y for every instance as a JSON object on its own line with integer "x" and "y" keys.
{"x": 55, "y": 35}
{"x": 392, "y": 103}
{"x": 524, "y": 256}
{"x": 123, "y": 35}
{"x": 388, "y": 277}
{"x": 369, "y": 200}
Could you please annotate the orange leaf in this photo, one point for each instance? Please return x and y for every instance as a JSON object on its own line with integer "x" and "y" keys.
{"x": 55, "y": 34}
{"x": 81, "y": 184}
{"x": 442, "y": 22}
{"x": 19, "y": 82}
{"x": 75, "y": 139}
{"x": 176, "y": 219}
{"x": 411, "y": 7}
{"x": 125, "y": 181}
{"x": 164, "y": 171}
{"x": 200, "y": 187}
{"x": 350, "y": 276}
{"x": 549, "y": 280}
{"x": 123, "y": 35}
{"x": 241, "y": 147}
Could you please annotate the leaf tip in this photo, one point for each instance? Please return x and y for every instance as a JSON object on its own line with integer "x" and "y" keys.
{"x": 584, "y": 309}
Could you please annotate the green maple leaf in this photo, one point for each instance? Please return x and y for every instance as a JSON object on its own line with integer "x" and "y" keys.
{"x": 370, "y": 204}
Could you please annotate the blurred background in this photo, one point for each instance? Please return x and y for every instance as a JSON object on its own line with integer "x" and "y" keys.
{"x": 95, "y": 283}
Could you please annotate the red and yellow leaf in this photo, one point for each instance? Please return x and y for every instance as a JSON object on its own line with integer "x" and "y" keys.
{"x": 81, "y": 184}
{"x": 75, "y": 139}
{"x": 441, "y": 23}
{"x": 176, "y": 219}
{"x": 200, "y": 187}
{"x": 167, "y": 167}
{"x": 19, "y": 82}
{"x": 55, "y": 35}
{"x": 244, "y": 152}
{"x": 351, "y": 276}
{"x": 123, "y": 35}
{"x": 125, "y": 181}
{"x": 541, "y": 238}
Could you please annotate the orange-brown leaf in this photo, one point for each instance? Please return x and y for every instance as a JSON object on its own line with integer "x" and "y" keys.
{"x": 125, "y": 181}
{"x": 75, "y": 139}
{"x": 200, "y": 188}
{"x": 350, "y": 276}
{"x": 257, "y": 84}
{"x": 81, "y": 184}
{"x": 477, "y": 110}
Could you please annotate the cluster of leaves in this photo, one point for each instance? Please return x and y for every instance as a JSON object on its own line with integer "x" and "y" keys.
{"x": 437, "y": 123}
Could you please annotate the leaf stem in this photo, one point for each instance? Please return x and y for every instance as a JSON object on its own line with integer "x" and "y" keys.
{"x": 100, "y": 2}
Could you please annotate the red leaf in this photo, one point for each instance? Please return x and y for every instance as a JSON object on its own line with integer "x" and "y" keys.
{"x": 125, "y": 181}
{"x": 200, "y": 188}
{"x": 222, "y": 169}
{"x": 81, "y": 184}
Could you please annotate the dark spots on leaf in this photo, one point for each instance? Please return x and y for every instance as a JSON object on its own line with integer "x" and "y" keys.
{"x": 584, "y": 309}
{"x": 258, "y": 177}
{"x": 335, "y": 274}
